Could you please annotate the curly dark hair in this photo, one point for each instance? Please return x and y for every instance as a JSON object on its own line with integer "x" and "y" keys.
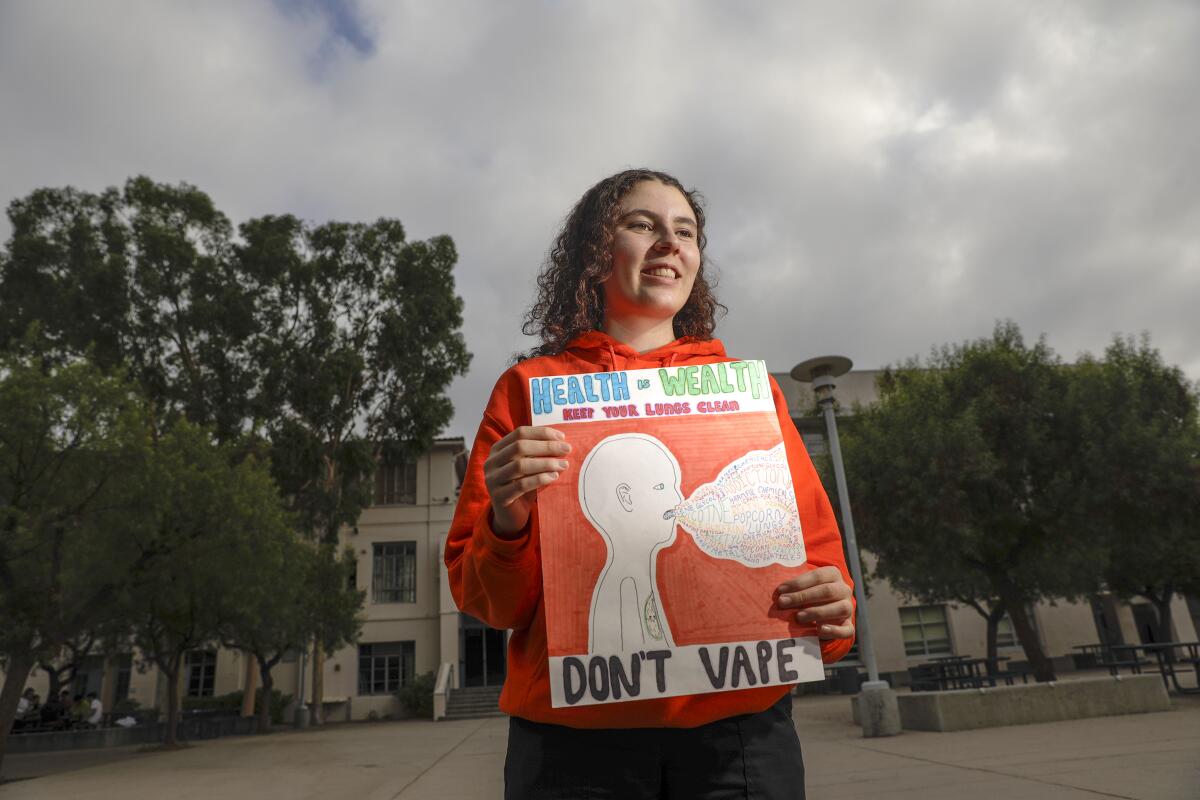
{"x": 570, "y": 300}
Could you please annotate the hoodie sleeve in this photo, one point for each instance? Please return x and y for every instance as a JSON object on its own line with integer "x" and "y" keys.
{"x": 496, "y": 580}
{"x": 822, "y": 539}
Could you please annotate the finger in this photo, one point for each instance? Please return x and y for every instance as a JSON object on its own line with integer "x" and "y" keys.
{"x": 819, "y": 594}
{"x": 524, "y": 448}
{"x": 515, "y": 470}
{"x": 835, "y": 613}
{"x": 845, "y": 631}
{"x": 826, "y": 574}
{"x": 526, "y": 485}
{"x": 530, "y": 432}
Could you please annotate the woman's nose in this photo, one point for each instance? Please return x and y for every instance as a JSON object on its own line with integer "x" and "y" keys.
{"x": 668, "y": 241}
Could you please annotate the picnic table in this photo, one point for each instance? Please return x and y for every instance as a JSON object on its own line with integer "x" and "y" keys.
{"x": 944, "y": 673}
{"x": 951, "y": 672}
{"x": 1167, "y": 655}
{"x": 1105, "y": 655}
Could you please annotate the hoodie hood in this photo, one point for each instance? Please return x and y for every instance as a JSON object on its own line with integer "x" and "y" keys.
{"x": 600, "y": 349}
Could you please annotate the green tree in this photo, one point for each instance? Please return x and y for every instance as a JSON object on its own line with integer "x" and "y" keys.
{"x": 287, "y": 593}
{"x": 335, "y": 342}
{"x": 1141, "y": 455}
{"x": 144, "y": 277}
{"x": 215, "y": 510}
{"x": 964, "y": 476}
{"x": 74, "y": 462}
{"x": 932, "y": 585}
{"x": 360, "y": 341}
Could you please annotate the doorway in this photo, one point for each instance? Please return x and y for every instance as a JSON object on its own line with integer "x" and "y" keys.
{"x": 482, "y": 653}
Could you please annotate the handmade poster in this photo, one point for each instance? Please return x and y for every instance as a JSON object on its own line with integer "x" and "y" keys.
{"x": 665, "y": 539}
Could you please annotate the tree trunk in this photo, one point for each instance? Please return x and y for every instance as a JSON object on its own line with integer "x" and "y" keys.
{"x": 264, "y": 710}
{"x": 994, "y": 615}
{"x": 1166, "y": 622}
{"x": 169, "y": 737}
{"x": 55, "y": 681}
{"x": 250, "y": 685}
{"x": 318, "y": 685}
{"x": 19, "y": 667}
{"x": 1043, "y": 668}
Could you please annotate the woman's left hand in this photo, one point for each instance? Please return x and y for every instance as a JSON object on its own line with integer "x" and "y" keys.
{"x": 822, "y": 598}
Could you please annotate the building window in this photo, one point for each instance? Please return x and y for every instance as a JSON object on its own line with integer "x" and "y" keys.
{"x": 924, "y": 630}
{"x": 384, "y": 667}
{"x": 396, "y": 484}
{"x": 1006, "y": 634}
{"x": 395, "y": 573}
{"x": 201, "y": 673}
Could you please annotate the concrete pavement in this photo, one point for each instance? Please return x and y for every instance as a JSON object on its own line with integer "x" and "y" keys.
{"x": 1140, "y": 757}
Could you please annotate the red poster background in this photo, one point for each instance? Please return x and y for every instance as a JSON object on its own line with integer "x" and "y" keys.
{"x": 705, "y": 599}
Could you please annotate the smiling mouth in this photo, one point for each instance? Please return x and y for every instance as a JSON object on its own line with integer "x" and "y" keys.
{"x": 661, "y": 272}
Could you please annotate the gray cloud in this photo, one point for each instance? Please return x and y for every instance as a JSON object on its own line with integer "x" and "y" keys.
{"x": 881, "y": 177}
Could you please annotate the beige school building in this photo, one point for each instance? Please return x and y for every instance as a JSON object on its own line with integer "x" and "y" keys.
{"x": 412, "y": 626}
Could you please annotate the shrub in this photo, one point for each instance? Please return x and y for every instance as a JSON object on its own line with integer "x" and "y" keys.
{"x": 416, "y": 697}
{"x": 231, "y": 704}
{"x": 126, "y": 706}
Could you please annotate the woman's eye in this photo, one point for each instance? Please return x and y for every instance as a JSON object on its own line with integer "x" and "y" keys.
{"x": 640, "y": 226}
{"x": 685, "y": 233}
{"x": 660, "y": 486}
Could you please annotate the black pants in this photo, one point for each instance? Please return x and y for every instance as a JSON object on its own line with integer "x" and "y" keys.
{"x": 752, "y": 756}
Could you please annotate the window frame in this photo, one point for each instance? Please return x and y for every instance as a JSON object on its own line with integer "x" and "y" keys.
{"x": 384, "y": 667}
{"x": 928, "y": 646}
{"x": 201, "y": 666}
{"x": 395, "y": 483}
{"x": 391, "y": 588}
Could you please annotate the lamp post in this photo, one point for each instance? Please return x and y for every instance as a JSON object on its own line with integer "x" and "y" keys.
{"x": 878, "y": 710}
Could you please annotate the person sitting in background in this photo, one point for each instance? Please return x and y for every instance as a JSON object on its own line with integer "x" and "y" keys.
{"x": 96, "y": 710}
{"x": 54, "y": 711}
{"x": 26, "y": 716}
{"x": 26, "y": 703}
{"x": 80, "y": 710}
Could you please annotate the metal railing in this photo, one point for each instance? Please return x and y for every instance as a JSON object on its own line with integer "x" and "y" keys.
{"x": 441, "y": 690}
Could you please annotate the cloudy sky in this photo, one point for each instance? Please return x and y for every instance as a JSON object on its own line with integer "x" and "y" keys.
{"x": 881, "y": 177}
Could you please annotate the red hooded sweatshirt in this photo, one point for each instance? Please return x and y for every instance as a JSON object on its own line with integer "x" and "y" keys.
{"x": 500, "y": 580}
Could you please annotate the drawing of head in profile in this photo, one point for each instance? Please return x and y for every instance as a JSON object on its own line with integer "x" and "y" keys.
{"x": 629, "y": 487}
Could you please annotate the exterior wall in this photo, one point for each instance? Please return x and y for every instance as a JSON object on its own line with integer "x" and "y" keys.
{"x": 424, "y": 622}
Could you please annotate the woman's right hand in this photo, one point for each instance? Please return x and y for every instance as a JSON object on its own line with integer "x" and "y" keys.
{"x": 516, "y": 467}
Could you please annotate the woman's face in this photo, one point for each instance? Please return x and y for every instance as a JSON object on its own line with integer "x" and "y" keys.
{"x": 655, "y": 254}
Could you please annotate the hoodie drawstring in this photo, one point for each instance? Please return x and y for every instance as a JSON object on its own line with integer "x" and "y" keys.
{"x": 612, "y": 357}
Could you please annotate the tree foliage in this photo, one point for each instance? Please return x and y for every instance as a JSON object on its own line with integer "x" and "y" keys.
{"x": 74, "y": 457}
{"x": 287, "y": 592}
{"x": 213, "y": 548}
{"x": 964, "y": 480}
{"x": 323, "y": 347}
{"x": 1141, "y": 487}
{"x": 360, "y": 339}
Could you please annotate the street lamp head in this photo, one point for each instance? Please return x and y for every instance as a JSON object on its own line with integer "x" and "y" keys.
{"x": 820, "y": 372}
{"x": 833, "y": 366}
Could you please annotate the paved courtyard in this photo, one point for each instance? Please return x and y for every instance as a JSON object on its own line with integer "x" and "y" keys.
{"x": 1142, "y": 757}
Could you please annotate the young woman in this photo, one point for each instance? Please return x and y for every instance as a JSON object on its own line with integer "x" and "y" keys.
{"x": 625, "y": 288}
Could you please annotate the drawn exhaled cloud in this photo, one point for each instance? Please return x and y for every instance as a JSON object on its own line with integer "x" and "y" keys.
{"x": 748, "y": 514}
